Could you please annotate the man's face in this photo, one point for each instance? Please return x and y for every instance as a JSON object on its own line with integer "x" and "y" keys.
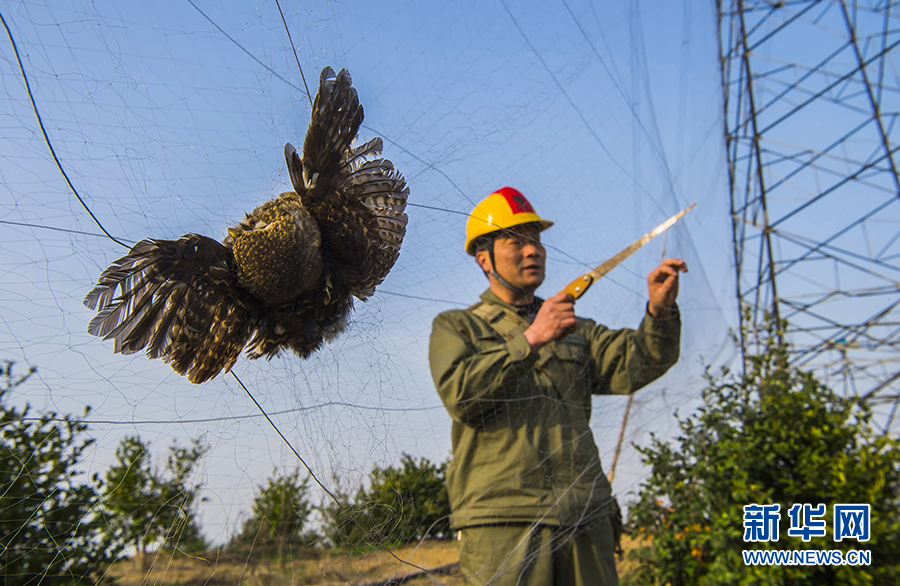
{"x": 520, "y": 256}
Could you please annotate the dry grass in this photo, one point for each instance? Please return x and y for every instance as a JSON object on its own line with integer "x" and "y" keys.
{"x": 624, "y": 566}
{"x": 327, "y": 570}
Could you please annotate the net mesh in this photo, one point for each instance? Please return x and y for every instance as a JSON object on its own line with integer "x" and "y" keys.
{"x": 170, "y": 118}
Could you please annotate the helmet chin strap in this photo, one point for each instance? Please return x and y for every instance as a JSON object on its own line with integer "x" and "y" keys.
{"x": 493, "y": 272}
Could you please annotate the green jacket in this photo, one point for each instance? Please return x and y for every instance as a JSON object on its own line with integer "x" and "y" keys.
{"x": 523, "y": 450}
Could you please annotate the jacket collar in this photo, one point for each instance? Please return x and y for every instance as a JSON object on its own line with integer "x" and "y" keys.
{"x": 491, "y": 297}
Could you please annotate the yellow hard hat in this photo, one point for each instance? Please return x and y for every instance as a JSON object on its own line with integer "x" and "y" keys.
{"x": 505, "y": 208}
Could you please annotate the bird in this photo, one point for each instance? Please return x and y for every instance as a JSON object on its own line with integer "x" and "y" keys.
{"x": 285, "y": 276}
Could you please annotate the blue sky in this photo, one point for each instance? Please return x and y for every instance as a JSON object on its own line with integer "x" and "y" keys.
{"x": 170, "y": 117}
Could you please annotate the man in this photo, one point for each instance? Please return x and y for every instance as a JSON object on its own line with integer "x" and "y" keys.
{"x": 516, "y": 373}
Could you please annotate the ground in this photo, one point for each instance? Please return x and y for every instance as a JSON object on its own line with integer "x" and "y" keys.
{"x": 325, "y": 570}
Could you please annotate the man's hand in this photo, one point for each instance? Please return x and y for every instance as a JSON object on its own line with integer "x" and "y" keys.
{"x": 555, "y": 319}
{"x": 662, "y": 285}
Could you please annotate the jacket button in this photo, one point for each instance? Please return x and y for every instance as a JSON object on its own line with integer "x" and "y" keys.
{"x": 520, "y": 353}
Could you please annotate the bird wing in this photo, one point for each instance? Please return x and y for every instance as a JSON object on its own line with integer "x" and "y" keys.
{"x": 373, "y": 193}
{"x": 177, "y": 299}
{"x": 336, "y": 116}
{"x": 383, "y": 191}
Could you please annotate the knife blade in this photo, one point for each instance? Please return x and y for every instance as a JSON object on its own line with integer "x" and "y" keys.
{"x": 579, "y": 286}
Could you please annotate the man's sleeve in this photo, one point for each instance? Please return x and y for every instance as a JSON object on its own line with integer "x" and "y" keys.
{"x": 627, "y": 360}
{"x": 473, "y": 371}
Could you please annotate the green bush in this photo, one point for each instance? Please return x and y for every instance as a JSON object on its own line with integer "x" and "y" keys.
{"x": 279, "y": 522}
{"x": 400, "y": 504}
{"x": 146, "y": 506}
{"x": 49, "y": 532}
{"x": 774, "y": 435}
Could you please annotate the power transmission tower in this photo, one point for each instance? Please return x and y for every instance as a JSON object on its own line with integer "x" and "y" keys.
{"x": 812, "y": 97}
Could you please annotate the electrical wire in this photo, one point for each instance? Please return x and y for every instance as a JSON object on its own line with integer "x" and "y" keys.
{"x": 236, "y": 417}
{"x": 55, "y": 229}
{"x": 286, "y": 441}
{"x": 568, "y": 98}
{"x": 37, "y": 115}
{"x": 294, "y": 49}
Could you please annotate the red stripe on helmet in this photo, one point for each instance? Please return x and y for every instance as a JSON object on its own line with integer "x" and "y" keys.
{"x": 517, "y": 202}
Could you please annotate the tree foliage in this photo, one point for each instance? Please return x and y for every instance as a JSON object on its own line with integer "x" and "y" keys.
{"x": 344, "y": 526}
{"x": 774, "y": 435}
{"x": 49, "y": 533}
{"x": 146, "y": 506}
{"x": 400, "y": 504}
{"x": 280, "y": 516}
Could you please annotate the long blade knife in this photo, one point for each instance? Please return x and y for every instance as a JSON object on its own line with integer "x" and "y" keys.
{"x": 579, "y": 286}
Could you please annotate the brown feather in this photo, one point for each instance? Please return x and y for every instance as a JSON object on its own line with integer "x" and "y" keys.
{"x": 286, "y": 275}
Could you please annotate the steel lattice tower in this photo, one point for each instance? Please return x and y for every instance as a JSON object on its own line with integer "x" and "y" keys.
{"x": 811, "y": 97}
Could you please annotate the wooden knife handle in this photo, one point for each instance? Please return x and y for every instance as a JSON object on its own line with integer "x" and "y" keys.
{"x": 578, "y": 287}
